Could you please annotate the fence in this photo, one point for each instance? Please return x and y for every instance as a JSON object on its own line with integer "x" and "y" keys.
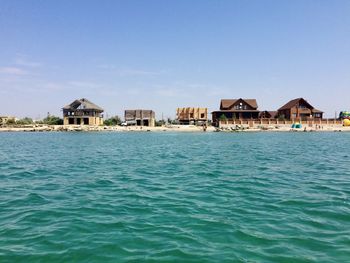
{"x": 255, "y": 122}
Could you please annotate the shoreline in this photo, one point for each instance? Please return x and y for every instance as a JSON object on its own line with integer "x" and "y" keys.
{"x": 169, "y": 128}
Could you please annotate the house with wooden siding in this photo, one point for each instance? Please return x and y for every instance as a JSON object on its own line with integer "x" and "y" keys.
{"x": 190, "y": 115}
{"x": 140, "y": 117}
{"x": 268, "y": 114}
{"x": 82, "y": 112}
{"x": 299, "y": 109}
{"x": 236, "y": 109}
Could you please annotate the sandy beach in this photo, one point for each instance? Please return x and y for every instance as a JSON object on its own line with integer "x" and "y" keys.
{"x": 170, "y": 128}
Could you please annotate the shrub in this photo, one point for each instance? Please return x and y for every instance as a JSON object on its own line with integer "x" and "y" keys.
{"x": 113, "y": 121}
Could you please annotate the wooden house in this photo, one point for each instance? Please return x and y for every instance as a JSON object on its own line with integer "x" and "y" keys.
{"x": 192, "y": 115}
{"x": 236, "y": 109}
{"x": 268, "y": 114}
{"x": 140, "y": 117}
{"x": 299, "y": 109}
{"x": 82, "y": 112}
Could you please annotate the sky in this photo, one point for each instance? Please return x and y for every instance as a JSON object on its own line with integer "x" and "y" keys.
{"x": 164, "y": 54}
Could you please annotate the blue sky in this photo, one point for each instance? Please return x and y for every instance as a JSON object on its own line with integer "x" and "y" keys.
{"x": 163, "y": 54}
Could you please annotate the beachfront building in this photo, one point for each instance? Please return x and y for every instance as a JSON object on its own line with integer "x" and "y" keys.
{"x": 299, "y": 109}
{"x": 140, "y": 117}
{"x": 82, "y": 112}
{"x": 7, "y": 119}
{"x": 268, "y": 114}
{"x": 190, "y": 115}
{"x": 233, "y": 109}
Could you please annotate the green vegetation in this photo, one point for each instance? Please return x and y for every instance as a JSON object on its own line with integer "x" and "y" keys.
{"x": 24, "y": 121}
{"x": 281, "y": 117}
{"x": 49, "y": 120}
{"x": 52, "y": 120}
{"x": 223, "y": 117}
{"x": 160, "y": 123}
{"x": 113, "y": 121}
{"x": 10, "y": 122}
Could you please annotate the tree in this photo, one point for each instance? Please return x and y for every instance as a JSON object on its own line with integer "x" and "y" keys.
{"x": 160, "y": 123}
{"x": 10, "y": 122}
{"x": 52, "y": 120}
{"x": 25, "y": 121}
{"x": 223, "y": 117}
{"x": 281, "y": 117}
{"x": 113, "y": 121}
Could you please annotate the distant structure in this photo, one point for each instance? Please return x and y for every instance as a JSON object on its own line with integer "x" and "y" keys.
{"x": 192, "y": 115}
{"x": 140, "y": 117}
{"x": 236, "y": 109}
{"x": 268, "y": 114}
{"x": 6, "y": 119}
{"x": 82, "y": 112}
{"x": 299, "y": 109}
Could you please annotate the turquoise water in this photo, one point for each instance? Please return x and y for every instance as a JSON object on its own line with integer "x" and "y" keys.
{"x": 171, "y": 197}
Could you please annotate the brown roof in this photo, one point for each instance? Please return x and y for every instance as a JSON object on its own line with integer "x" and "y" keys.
{"x": 317, "y": 111}
{"x": 226, "y": 103}
{"x": 292, "y": 103}
{"x": 235, "y": 111}
{"x": 138, "y": 114}
{"x": 85, "y": 103}
{"x": 273, "y": 114}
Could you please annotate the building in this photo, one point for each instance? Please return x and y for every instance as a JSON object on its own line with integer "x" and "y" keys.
{"x": 6, "y": 119}
{"x": 299, "y": 109}
{"x": 236, "y": 109}
{"x": 268, "y": 114}
{"x": 82, "y": 112}
{"x": 140, "y": 117}
{"x": 192, "y": 115}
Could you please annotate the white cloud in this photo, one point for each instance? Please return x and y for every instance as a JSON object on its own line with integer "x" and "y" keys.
{"x": 136, "y": 72}
{"x": 13, "y": 71}
{"x": 25, "y": 63}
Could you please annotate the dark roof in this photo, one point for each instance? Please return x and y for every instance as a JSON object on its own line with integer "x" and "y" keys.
{"x": 292, "y": 103}
{"x": 84, "y": 104}
{"x": 139, "y": 110}
{"x": 132, "y": 114}
{"x": 235, "y": 111}
{"x": 273, "y": 114}
{"x": 226, "y": 103}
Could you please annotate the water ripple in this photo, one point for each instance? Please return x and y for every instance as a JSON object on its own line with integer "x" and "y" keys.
{"x": 118, "y": 197}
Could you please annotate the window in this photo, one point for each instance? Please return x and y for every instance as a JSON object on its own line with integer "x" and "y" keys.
{"x": 202, "y": 115}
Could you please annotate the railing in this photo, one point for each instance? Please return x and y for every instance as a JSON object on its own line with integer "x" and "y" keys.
{"x": 254, "y": 122}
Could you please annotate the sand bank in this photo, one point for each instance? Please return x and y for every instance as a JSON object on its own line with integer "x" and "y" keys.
{"x": 169, "y": 128}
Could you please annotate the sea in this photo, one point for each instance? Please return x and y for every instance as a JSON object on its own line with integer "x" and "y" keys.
{"x": 175, "y": 197}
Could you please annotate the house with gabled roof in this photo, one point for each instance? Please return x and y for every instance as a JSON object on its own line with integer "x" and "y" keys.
{"x": 299, "y": 109}
{"x": 236, "y": 109}
{"x": 82, "y": 112}
{"x": 268, "y": 114}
